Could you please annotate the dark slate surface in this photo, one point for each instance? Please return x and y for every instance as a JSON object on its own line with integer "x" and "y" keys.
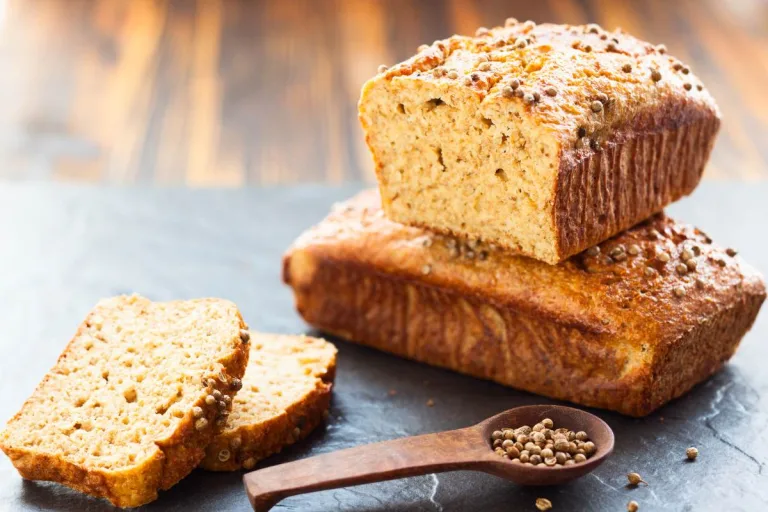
{"x": 62, "y": 248}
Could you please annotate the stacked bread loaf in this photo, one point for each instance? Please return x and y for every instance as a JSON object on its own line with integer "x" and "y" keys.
{"x": 517, "y": 234}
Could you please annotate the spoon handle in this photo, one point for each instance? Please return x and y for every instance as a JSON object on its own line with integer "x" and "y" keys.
{"x": 408, "y": 456}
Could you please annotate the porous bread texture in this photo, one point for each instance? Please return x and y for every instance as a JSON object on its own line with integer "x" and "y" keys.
{"x": 286, "y": 394}
{"x": 123, "y": 413}
{"x": 627, "y": 325}
{"x": 588, "y": 144}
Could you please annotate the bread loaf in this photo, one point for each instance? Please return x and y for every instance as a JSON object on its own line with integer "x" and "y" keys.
{"x": 543, "y": 139}
{"x": 286, "y": 393}
{"x": 133, "y": 400}
{"x": 627, "y": 325}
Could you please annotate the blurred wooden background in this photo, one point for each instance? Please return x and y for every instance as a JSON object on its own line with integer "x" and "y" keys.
{"x": 228, "y": 92}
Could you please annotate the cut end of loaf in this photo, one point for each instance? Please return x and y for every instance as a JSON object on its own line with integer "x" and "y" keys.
{"x": 117, "y": 415}
{"x": 448, "y": 161}
{"x": 285, "y": 394}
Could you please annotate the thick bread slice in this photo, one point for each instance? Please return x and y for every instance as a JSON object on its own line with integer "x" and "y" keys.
{"x": 129, "y": 406}
{"x": 627, "y": 326}
{"x": 544, "y": 139}
{"x": 286, "y": 393}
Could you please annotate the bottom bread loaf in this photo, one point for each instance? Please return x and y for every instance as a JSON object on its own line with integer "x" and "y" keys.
{"x": 627, "y": 325}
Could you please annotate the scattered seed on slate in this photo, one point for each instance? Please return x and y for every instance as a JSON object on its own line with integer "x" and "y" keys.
{"x": 543, "y": 504}
{"x": 692, "y": 453}
{"x": 632, "y": 506}
{"x": 635, "y": 479}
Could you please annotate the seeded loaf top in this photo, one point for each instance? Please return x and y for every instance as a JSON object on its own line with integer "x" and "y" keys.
{"x": 128, "y": 408}
{"x": 545, "y": 139}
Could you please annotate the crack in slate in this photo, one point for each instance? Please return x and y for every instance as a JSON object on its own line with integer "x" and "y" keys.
{"x": 435, "y": 485}
{"x": 604, "y": 482}
{"x": 714, "y": 412}
{"x": 726, "y": 442}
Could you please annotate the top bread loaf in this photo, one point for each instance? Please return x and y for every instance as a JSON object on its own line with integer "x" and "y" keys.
{"x": 544, "y": 139}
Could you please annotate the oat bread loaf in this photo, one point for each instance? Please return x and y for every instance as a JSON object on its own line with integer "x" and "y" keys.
{"x": 129, "y": 407}
{"x": 544, "y": 139}
{"x": 286, "y": 392}
{"x": 627, "y": 325}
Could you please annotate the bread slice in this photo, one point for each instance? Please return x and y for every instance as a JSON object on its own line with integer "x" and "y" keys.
{"x": 286, "y": 393}
{"x": 544, "y": 139}
{"x": 627, "y": 325}
{"x": 130, "y": 405}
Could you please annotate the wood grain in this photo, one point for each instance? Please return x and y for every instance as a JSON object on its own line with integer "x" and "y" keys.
{"x": 235, "y": 92}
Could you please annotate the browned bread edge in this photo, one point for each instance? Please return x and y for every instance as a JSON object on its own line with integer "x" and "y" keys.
{"x": 258, "y": 442}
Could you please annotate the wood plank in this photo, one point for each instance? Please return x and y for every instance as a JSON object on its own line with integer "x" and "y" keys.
{"x": 235, "y": 92}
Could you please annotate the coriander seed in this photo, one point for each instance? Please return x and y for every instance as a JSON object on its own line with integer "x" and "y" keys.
{"x": 507, "y": 444}
{"x": 497, "y": 434}
{"x": 632, "y": 506}
{"x": 692, "y": 453}
{"x": 579, "y": 457}
{"x": 548, "y": 423}
{"x": 635, "y": 479}
{"x": 543, "y": 504}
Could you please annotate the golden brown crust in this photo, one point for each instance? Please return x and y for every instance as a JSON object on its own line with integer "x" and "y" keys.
{"x": 595, "y": 330}
{"x": 635, "y": 173}
{"x": 178, "y": 454}
{"x": 581, "y": 63}
{"x": 250, "y": 442}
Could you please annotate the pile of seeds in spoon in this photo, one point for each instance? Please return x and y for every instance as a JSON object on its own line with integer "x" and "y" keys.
{"x": 543, "y": 445}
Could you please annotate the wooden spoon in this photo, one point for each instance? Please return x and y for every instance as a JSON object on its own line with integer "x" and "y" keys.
{"x": 464, "y": 449}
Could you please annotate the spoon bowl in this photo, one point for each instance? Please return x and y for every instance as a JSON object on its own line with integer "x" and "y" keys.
{"x": 463, "y": 449}
{"x": 575, "y": 419}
